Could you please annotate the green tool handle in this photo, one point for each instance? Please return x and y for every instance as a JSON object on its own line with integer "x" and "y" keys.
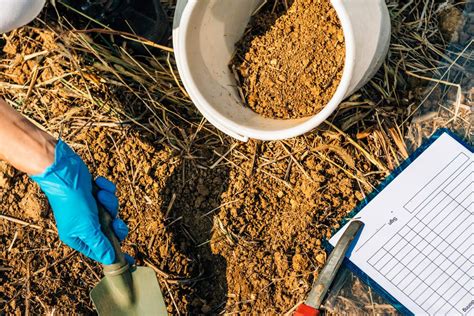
{"x": 120, "y": 265}
{"x": 118, "y": 273}
{"x": 105, "y": 220}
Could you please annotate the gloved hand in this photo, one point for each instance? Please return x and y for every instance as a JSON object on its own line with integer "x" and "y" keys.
{"x": 67, "y": 184}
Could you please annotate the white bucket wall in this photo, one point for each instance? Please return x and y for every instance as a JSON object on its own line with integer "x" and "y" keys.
{"x": 204, "y": 37}
{"x": 16, "y": 13}
{"x": 370, "y": 50}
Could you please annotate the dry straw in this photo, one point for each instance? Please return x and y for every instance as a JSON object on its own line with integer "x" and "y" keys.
{"x": 421, "y": 87}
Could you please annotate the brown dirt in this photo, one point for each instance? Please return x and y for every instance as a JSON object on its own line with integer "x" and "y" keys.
{"x": 166, "y": 235}
{"x": 290, "y": 61}
{"x": 270, "y": 238}
{"x": 451, "y": 24}
{"x": 275, "y": 225}
{"x": 229, "y": 227}
{"x": 162, "y": 197}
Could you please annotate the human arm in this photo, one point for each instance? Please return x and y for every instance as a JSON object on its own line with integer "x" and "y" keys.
{"x": 66, "y": 181}
{"x": 20, "y": 141}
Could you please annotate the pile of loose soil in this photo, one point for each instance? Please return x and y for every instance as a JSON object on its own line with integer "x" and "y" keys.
{"x": 247, "y": 238}
{"x": 163, "y": 198}
{"x": 291, "y": 59}
{"x": 162, "y": 201}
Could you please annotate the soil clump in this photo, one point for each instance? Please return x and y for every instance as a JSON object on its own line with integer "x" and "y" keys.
{"x": 290, "y": 60}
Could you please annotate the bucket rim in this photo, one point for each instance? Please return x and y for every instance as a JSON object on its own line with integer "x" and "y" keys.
{"x": 307, "y": 124}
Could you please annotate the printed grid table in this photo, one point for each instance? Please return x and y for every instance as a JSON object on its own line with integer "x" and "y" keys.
{"x": 436, "y": 244}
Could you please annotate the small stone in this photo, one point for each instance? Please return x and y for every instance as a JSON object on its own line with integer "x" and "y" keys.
{"x": 203, "y": 190}
{"x": 206, "y": 309}
{"x": 321, "y": 258}
{"x": 298, "y": 262}
{"x": 199, "y": 200}
{"x": 340, "y": 37}
{"x": 3, "y": 180}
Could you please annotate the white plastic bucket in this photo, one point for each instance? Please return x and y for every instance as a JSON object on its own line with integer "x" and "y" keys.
{"x": 16, "y": 13}
{"x": 204, "y": 37}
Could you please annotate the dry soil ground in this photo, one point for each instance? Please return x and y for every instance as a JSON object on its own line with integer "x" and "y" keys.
{"x": 229, "y": 227}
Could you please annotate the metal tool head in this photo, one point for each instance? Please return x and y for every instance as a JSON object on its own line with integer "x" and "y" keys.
{"x": 146, "y": 298}
{"x": 327, "y": 274}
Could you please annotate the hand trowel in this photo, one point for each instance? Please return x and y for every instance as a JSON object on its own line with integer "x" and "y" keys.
{"x": 125, "y": 290}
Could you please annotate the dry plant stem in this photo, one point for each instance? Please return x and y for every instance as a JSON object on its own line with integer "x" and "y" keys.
{"x": 292, "y": 310}
{"x": 49, "y": 266}
{"x": 28, "y": 285}
{"x": 24, "y": 223}
{"x": 96, "y": 276}
{"x": 13, "y": 242}
{"x": 167, "y": 278}
{"x": 457, "y": 103}
{"x": 440, "y": 80}
{"x": 219, "y": 207}
{"x": 359, "y": 147}
{"x": 108, "y": 30}
{"x": 172, "y": 299}
{"x": 42, "y": 270}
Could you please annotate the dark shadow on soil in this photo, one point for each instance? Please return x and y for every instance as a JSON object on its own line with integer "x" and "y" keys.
{"x": 190, "y": 195}
{"x": 259, "y": 25}
{"x": 191, "y": 192}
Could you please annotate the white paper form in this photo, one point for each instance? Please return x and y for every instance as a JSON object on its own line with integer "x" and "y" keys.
{"x": 417, "y": 242}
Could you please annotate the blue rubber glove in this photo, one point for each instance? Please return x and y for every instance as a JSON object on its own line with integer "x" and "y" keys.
{"x": 67, "y": 184}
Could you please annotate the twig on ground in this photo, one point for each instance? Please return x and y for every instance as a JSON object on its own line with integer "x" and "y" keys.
{"x": 24, "y": 223}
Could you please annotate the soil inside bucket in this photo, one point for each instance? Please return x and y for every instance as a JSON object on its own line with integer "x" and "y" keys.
{"x": 291, "y": 58}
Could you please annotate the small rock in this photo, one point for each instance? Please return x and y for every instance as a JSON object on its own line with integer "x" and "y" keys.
{"x": 3, "y": 180}
{"x": 340, "y": 37}
{"x": 321, "y": 258}
{"x": 203, "y": 190}
{"x": 206, "y": 309}
{"x": 199, "y": 200}
{"x": 298, "y": 262}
